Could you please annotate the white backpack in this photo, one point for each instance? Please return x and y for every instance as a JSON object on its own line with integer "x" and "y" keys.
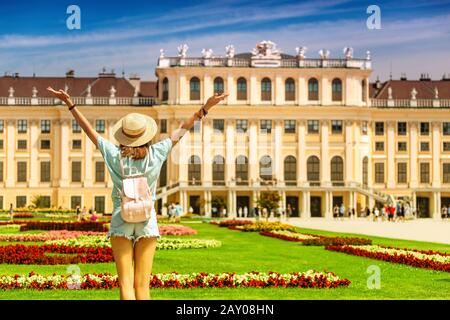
{"x": 137, "y": 202}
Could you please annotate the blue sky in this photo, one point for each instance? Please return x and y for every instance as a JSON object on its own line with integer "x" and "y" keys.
{"x": 127, "y": 35}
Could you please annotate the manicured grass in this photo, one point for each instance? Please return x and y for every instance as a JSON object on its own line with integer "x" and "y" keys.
{"x": 248, "y": 251}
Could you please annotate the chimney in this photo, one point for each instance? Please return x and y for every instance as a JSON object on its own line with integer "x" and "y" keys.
{"x": 403, "y": 76}
{"x": 105, "y": 74}
{"x": 70, "y": 73}
{"x": 378, "y": 83}
{"x": 425, "y": 77}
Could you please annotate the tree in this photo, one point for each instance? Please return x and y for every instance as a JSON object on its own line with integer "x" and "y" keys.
{"x": 39, "y": 201}
{"x": 269, "y": 200}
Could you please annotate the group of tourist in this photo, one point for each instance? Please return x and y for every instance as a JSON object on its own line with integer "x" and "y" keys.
{"x": 85, "y": 215}
{"x": 445, "y": 212}
{"x": 390, "y": 213}
{"x": 174, "y": 211}
{"x": 339, "y": 212}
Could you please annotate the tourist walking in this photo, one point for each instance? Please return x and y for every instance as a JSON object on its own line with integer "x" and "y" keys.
{"x": 11, "y": 212}
{"x": 342, "y": 211}
{"x": 245, "y": 212}
{"x": 444, "y": 212}
{"x": 240, "y": 212}
{"x": 336, "y": 211}
{"x": 134, "y": 242}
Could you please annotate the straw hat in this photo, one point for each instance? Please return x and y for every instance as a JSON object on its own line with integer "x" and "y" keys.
{"x": 134, "y": 130}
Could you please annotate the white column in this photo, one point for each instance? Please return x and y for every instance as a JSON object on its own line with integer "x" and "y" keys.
{"x": 357, "y": 170}
{"x": 277, "y": 152}
{"x": 208, "y": 87}
{"x": 436, "y": 214}
{"x": 56, "y": 160}
{"x": 349, "y": 151}
{"x": 324, "y": 91}
{"x": 111, "y": 138}
{"x": 328, "y": 204}
{"x": 87, "y": 162}
{"x": 229, "y": 151}
{"x": 306, "y": 213}
{"x": 302, "y": 91}
{"x": 279, "y": 91}
{"x": 184, "y": 201}
{"x": 253, "y": 152}
{"x": 231, "y": 89}
{"x": 413, "y": 155}
{"x": 10, "y": 148}
{"x": 183, "y": 90}
{"x": 301, "y": 152}
{"x": 230, "y": 205}
{"x": 205, "y": 205}
{"x": 183, "y": 155}
{"x": 390, "y": 154}
{"x": 325, "y": 161}
{"x": 207, "y": 157}
{"x": 34, "y": 165}
{"x": 436, "y": 155}
{"x": 254, "y": 98}
{"x": 64, "y": 176}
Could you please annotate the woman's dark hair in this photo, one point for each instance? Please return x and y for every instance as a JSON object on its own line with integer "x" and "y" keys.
{"x": 136, "y": 153}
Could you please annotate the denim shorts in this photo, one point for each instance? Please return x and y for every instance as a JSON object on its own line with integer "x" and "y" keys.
{"x": 133, "y": 231}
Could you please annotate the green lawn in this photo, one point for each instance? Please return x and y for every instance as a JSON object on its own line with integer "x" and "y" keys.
{"x": 242, "y": 252}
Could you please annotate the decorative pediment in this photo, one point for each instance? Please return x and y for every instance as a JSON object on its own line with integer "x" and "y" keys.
{"x": 266, "y": 54}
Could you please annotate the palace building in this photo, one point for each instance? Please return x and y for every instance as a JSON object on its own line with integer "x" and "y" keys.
{"x": 313, "y": 129}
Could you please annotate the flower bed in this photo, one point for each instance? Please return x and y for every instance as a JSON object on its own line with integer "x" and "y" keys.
{"x": 309, "y": 279}
{"x": 415, "y": 258}
{"x": 58, "y": 225}
{"x": 10, "y": 227}
{"x": 163, "y": 243}
{"x": 233, "y": 222}
{"x": 287, "y": 235}
{"x": 176, "y": 230}
{"x": 23, "y": 215}
{"x": 46, "y": 236}
{"x": 337, "y": 241}
{"x": 265, "y": 226}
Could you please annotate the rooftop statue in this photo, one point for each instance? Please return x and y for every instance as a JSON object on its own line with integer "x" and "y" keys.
{"x": 112, "y": 92}
{"x": 230, "y": 51}
{"x": 266, "y": 49}
{"x": 324, "y": 53}
{"x": 413, "y": 94}
{"x": 34, "y": 92}
{"x": 390, "y": 93}
{"x": 11, "y": 92}
{"x": 301, "y": 52}
{"x": 182, "y": 49}
{"x": 348, "y": 52}
{"x": 436, "y": 93}
{"x": 161, "y": 53}
{"x": 207, "y": 53}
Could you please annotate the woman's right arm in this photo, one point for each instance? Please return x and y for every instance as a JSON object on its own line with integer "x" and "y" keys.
{"x": 79, "y": 117}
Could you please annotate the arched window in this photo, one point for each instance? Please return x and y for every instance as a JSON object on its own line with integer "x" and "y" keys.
{"x": 241, "y": 89}
{"x": 165, "y": 89}
{"x": 290, "y": 171}
{"x": 363, "y": 90}
{"x": 265, "y": 168}
{"x": 241, "y": 170}
{"x": 313, "y": 89}
{"x": 337, "y": 170}
{"x": 289, "y": 90}
{"x": 194, "y": 170}
{"x": 218, "y": 168}
{"x": 336, "y": 89}
{"x": 365, "y": 171}
{"x": 162, "y": 181}
{"x": 313, "y": 170}
{"x": 194, "y": 88}
{"x": 218, "y": 85}
{"x": 266, "y": 90}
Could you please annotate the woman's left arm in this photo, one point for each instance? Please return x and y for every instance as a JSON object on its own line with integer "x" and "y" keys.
{"x": 79, "y": 117}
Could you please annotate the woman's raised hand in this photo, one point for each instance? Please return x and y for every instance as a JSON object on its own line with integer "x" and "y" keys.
{"x": 215, "y": 99}
{"x": 62, "y": 95}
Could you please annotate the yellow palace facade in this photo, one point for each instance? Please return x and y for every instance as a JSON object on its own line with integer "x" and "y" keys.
{"x": 313, "y": 129}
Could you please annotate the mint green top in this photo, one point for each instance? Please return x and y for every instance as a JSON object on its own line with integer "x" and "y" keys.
{"x": 150, "y": 165}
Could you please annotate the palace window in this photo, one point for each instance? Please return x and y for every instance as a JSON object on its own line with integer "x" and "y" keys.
{"x": 45, "y": 126}
{"x": 21, "y": 144}
{"x": 265, "y": 168}
{"x": 289, "y": 90}
{"x": 76, "y": 171}
{"x": 195, "y": 170}
{"x": 446, "y": 173}
{"x": 424, "y": 128}
{"x": 313, "y": 89}
{"x": 379, "y": 128}
{"x": 45, "y": 171}
{"x": 379, "y": 146}
{"x": 379, "y": 172}
{"x": 424, "y": 172}
{"x": 289, "y": 126}
{"x": 241, "y": 125}
{"x": 402, "y": 128}
{"x": 336, "y": 126}
{"x": 162, "y": 181}
{"x": 446, "y": 145}
{"x": 424, "y": 146}
{"x": 45, "y": 144}
{"x": 336, "y": 90}
{"x": 363, "y": 90}
{"x": 365, "y": 171}
{"x": 75, "y": 201}
{"x": 1, "y": 172}
{"x": 218, "y": 85}
{"x": 76, "y": 144}
{"x": 266, "y": 89}
{"x": 402, "y": 146}
{"x": 241, "y": 89}
{"x": 313, "y": 170}
{"x": 2, "y": 126}
{"x": 446, "y": 128}
{"x": 266, "y": 126}
{"x": 100, "y": 126}
{"x": 241, "y": 170}
{"x": 1, "y": 144}
{"x": 218, "y": 168}
{"x": 194, "y": 87}
{"x": 75, "y": 127}
{"x": 21, "y": 201}
{"x": 313, "y": 126}
{"x": 21, "y": 171}
{"x": 165, "y": 89}
{"x": 22, "y": 126}
{"x": 401, "y": 172}
{"x": 99, "y": 171}
{"x": 218, "y": 125}
{"x": 99, "y": 204}
{"x": 163, "y": 126}
{"x": 337, "y": 170}
{"x": 290, "y": 171}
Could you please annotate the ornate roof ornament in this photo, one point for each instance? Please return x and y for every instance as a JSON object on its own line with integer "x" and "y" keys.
{"x": 182, "y": 49}
{"x": 207, "y": 53}
{"x": 390, "y": 93}
{"x": 88, "y": 91}
{"x": 112, "y": 92}
{"x": 413, "y": 94}
{"x": 136, "y": 92}
{"x": 161, "y": 53}
{"x": 348, "y": 52}
{"x": 301, "y": 52}
{"x": 368, "y": 57}
{"x": 230, "y": 51}
{"x": 436, "y": 93}
{"x": 11, "y": 92}
{"x": 324, "y": 53}
{"x": 66, "y": 87}
{"x": 34, "y": 92}
{"x": 266, "y": 49}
